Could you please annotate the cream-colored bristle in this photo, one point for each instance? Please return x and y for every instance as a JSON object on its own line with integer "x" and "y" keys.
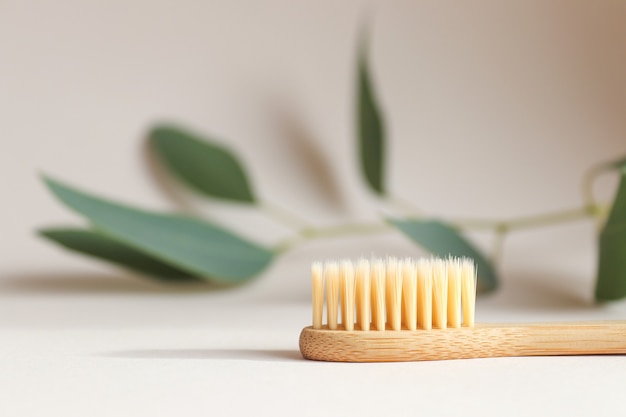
{"x": 317, "y": 272}
{"x": 394, "y": 294}
{"x": 391, "y": 265}
{"x": 440, "y": 294}
{"x": 378, "y": 287}
{"x": 346, "y": 274}
{"x": 363, "y": 294}
{"x": 342, "y": 290}
{"x": 468, "y": 291}
{"x": 454, "y": 292}
{"x": 399, "y": 280}
{"x": 399, "y": 273}
{"x": 409, "y": 293}
{"x": 424, "y": 294}
{"x": 331, "y": 276}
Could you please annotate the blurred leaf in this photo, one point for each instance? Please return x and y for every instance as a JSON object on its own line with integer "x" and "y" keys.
{"x": 442, "y": 240}
{"x": 204, "y": 166}
{"x": 611, "y": 279}
{"x": 370, "y": 126}
{"x": 618, "y": 163}
{"x": 95, "y": 244}
{"x": 200, "y": 248}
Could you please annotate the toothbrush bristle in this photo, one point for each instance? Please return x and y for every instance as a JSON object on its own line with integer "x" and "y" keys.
{"x": 378, "y": 294}
{"x": 331, "y": 276}
{"x": 468, "y": 291}
{"x": 440, "y": 294}
{"x": 409, "y": 293}
{"x": 425, "y": 293}
{"x": 363, "y": 289}
{"x": 454, "y": 292}
{"x": 394, "y": 294}
{"x": 346, "y": 273}
{"x": 317, "y": 271}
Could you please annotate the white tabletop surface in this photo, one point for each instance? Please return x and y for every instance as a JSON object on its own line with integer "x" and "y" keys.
{"x": 107, "y": 344}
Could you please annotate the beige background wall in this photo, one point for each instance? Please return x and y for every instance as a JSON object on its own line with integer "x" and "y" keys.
{"x": 493, "y": 108}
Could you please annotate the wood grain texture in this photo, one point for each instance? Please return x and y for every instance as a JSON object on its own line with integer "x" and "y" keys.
{"x": 482, "y": 341}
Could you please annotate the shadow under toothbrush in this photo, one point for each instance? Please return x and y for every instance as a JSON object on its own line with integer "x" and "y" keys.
{"x": 260, "y": 355}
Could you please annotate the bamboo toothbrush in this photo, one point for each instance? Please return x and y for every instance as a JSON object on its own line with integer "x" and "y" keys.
{"x": 413, "y": 310}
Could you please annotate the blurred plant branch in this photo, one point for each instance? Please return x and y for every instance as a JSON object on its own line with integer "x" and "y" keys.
{"x": 177, "y": 248}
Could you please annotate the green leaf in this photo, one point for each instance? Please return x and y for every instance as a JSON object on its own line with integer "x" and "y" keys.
{"x": 206, "y": 167}
{"x": 611, "y": 278}
{"x": 371, "y": 131}
{"x": 200, "y": 248}
{"x": 442, "y": 240}
{"x": 617, "y": 163}
{"x": 96, "y": 244}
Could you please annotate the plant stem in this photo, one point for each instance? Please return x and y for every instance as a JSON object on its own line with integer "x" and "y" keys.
{"x": 346, "y": 229}
{"x": 588, "y": 179}
{"x": 476, "y": 224}
{"x": 546, "y": 219}
{"x": 289, "y": 243}
{"x": 283, "y": 216}
{"x": 590, "y": 176}
{"x": 350, "y": 229}
{"x": 500, "y": 227}
{"x": 530, "y": 221}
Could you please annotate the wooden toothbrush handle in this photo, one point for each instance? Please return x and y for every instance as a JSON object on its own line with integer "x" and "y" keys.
{"x": 482, "y": 341}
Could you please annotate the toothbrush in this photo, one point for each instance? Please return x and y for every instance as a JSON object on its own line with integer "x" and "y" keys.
{"x": 416, "y": 310}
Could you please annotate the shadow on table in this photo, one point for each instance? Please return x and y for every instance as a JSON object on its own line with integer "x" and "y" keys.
{"x": 95, "y": 283}
{"x": 260, "y": 355}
